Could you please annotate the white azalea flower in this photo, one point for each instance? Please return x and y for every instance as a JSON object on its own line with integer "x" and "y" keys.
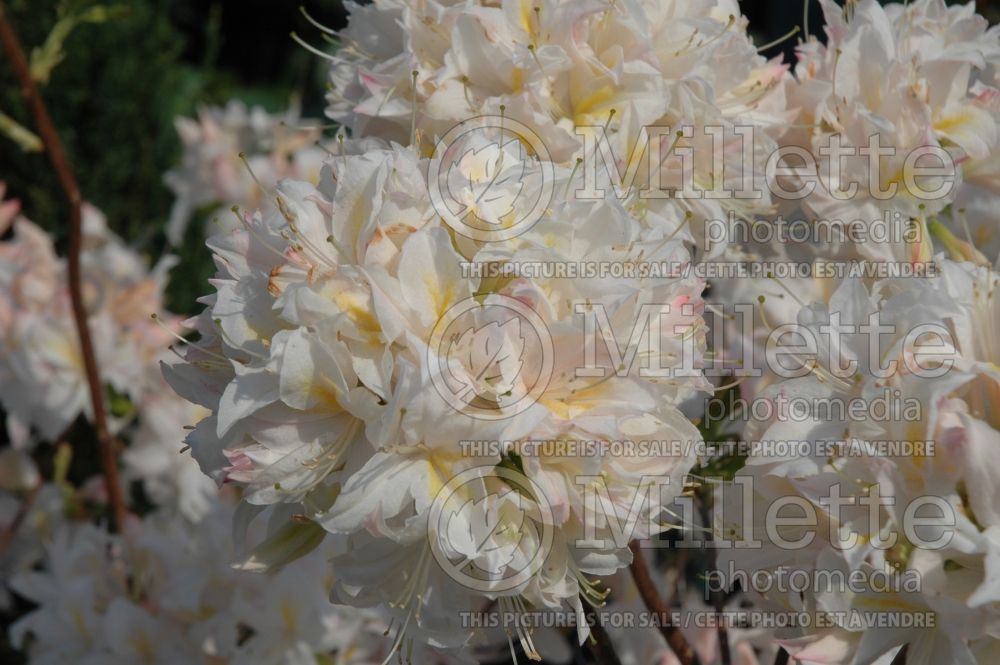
{"x": 170, "y": 476}
{"x": 212, "y": 172}
{"x": 957, "y": 580}
{"x": 166, "y": 592}
{"x": 912, "y": 76}
{"x": 571, "y": 72}
{"x": 43, "y": 386}
{"x": 317, "y": 363}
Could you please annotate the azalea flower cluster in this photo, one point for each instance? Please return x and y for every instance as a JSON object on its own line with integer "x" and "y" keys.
{"x": 219, "y": 144}
{"x": 556, "y": 66}
{"x": 955, "y": 562}
{"x": 44, "y": 384}
{"x": 579, "y": 74}
{"x": 371, "y": 432}
{"x": 912, "y": 78}
{"x": 174, "y": 586}
{"x": 164, "y": 592}
{"x": 915, "y": 75}
{"x": 320, "y": 352}
{"x": 317, "y": 359}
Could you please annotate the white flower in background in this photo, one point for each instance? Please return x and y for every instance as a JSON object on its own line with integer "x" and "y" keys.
{"x": 42, "y": 380}
{"x": 316, "y": 361}
{"x": 212, "y": 172}
{"x": 29, "y": 514}
{"x": 157, "y": 456}
{"x": 953, "y": 409}
{"x": 164, "y": 592}
{"x": 915, "y": 76}
{"x": 67, "y": 593}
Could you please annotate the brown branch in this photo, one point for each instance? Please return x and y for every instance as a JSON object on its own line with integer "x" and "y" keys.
{"x": 601, "y": 645}
{"x": 655, "y": 604}
{"x": 724, "y": 651}
{"x": 680, "y": 563}
{"x": 53, "y": 147}
{"x": 718, "y": 597}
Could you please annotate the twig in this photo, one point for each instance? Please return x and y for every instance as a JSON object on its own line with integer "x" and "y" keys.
{"x": 724, "y": 651}
{"x": 654, "y": 603}
{"x": 718, "y": 598}
{"x": 53, "y": 147}
{"x": 601, "y": 646}
{"x": 680, "y": 563}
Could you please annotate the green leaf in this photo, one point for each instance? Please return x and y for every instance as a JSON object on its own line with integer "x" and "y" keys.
{"x": 46, "y": 57}
{"x": 292, "y": 541}
{"x": 119, "y": 404}
{"x": 27, "y": 140}
{"x": 63, "y": 458}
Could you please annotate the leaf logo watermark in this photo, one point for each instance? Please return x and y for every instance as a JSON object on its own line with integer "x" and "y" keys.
{"x": 490, "y": 360}
{"x": 487, "y": 531}
{"x": 490, "y": 529}
{"x": 491, "y": 178}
